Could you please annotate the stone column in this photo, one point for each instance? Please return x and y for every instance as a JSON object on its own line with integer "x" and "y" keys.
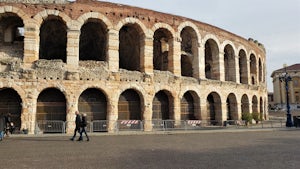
{"x": 28, "y": 116}
{"x": 201, "y": 61}
{"x": 31, "y": 44}
{"x": 112, "y": 114}
{"x": 113, "y": 50}
{"x": 237, "y": 69}
{"x": 219, "y": 69}
{"x": 147, "y": 56}
{"x": 73, "y": 48}
{"x": 147, "y": 116}
{"x": 174, "y": 57}
{"x": 72, "y": 107}
{"x": 203, "y": 109}
{"x": 239, "y": 110}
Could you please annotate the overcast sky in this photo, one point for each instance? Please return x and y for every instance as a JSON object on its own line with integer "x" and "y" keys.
{"x": 274, "y": 23}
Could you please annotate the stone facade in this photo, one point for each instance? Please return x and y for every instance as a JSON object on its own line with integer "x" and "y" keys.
{"x": 279, "y": 93}
{"x": 143, "y": 64}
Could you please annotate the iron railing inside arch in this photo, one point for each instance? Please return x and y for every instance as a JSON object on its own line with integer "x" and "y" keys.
{"x": 53, "y": 126}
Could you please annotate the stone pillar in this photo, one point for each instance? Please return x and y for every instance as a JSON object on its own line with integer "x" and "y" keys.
{"x": 147, "y": 56}
{"x": 237, "y": 69}
{"x": 222, "y": 112}
{"x": 113, "y": 50}
{"x": 174, "y": 57}
{"x": 31, "y": 44}
{"x": 112, "y": 114}
{"x": 28, "y": 116}
{"x": 73, "y": 48}
{"x": 201, "y": 61}
{"x": 219, "y": 66}
{"x": 147, "y": 116}
{"x": 177, "y": 111}
{"x": 203, "y": 109}
{"x": 239, "y": 110}
{"x": 72, "y": 107}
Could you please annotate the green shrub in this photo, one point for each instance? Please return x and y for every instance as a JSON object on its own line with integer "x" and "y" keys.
{"x": 256, "y": 116}
{"x": 247, "y": 117}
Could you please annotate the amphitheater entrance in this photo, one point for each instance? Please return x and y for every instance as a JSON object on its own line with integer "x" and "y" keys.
{"x": 129, "y": 105}
{"x": 53, "y": 39}
{"x": 162, "y": 41}
{"x": 10, "y": 102}
{"x": 161, "y": 106}
{"x": 214, "y": 109}
{"x": 231, "y": 108}
{"x": 11, "y": 36}
{"x": 93, "y": 103}
{"x": 245, "y": 104}
{"x": 93, "y": 41}
{"x": 51, "y": 105}
{"x": 188, "y": 107}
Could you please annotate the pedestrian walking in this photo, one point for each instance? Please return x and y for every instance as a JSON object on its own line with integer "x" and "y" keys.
{"x": 9, "y": 125}
{"x": 2, "y": 127}
{"x": 77, "y": 125}
{"x": 83, "y": 128}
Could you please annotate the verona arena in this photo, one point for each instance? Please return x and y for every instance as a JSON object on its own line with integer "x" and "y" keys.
{"x": 117, "y": 62}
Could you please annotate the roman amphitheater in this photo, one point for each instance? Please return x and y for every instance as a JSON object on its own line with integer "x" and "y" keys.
{"x": 123, "y": 66}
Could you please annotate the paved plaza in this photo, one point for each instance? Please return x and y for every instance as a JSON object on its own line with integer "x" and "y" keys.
{"x": 279, "y": 149}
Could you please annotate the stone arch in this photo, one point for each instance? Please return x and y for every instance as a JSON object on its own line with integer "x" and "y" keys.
{"x": 94, "y": 15}
{"x": 12, "y": 30}
{"x": 53, "y": 39}
{"x": 93, "y": 40}
{"x": 11, "y": 103}
{"x": 131, "y": 43}
{"x": 41, "y": 16}
{"x": 162, "y": 105}
{"x": 129, "y": 105}
{"x": 245, "y": 104}
{"x": 229, "y": 63}
{"x": 254, "y": 104}
{"x": 162, "y": 48}
{"x": 93, "y": 102}
{"x": 243, "y": 66}
{"x": 212, "y": 60}
{"x": 231, "y": 107}
{"x": 190, "y": 106}
{"x": 260, "y": 71}
{"x": 253, "y": 69}
{"x": 214, "y": 108}
{"x": 192, "y": 26}
{"x": 189, "y": 51}
{"x": 51, "y": 105}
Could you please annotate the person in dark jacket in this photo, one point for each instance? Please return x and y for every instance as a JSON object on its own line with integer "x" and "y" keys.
{"x": 2, "y": 127}
{"x": 9, "y": 125}
{"x": 77, "y": 125}
{"x": 83, "y": 127}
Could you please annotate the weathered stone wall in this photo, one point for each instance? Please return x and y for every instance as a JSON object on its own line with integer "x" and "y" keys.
{"x": 29, "y": 75}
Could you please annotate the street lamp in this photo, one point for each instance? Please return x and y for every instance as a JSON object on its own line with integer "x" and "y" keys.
{"x": 286, "y": 78}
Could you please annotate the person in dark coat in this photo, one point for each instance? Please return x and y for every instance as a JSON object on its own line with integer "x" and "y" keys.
{"x": 77, "y": 125}
{"x": 83, "y": 127}
{"x": 2, "y": 127}
{"x": 9, "y": 125}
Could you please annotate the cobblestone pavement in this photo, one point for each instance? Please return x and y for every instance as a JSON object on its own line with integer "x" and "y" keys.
{"x": 214, "y": 150}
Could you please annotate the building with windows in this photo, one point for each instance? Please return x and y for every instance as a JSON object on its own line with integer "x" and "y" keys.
{"x": 279, "y": 93}
{"x": 117, "y": 62}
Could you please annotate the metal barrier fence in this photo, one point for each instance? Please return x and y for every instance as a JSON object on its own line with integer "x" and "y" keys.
{"x": 52, "y": 126}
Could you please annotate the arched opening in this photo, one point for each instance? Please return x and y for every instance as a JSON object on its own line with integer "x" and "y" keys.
{"x": 260, "y": 72}
{"x": 93, "y": 103}
{"x": 51, "y": 105}
{"x": 188, "y": 107}
{"x": 243, "y": 67}
{"x": 162, "y": 43}
{"x": 229, "y": 64}
{"x": 129, "y": 106}
{"x": 189, "y": 50}
{"x": 214, "y": 108}
{"x": 130, "y": 39}
{"x": 261, "y": 108}
{"x": 53, "y": 39}
{"x": 253, "y": 71}
{"x": 11, "y": 36}
{"x": 211, "y": 60}
{"x": 93, "y": 41}
{"x": 232, "y": 111}
{"x": 245, "y": 104}
{"x": 10, "y": 103}
{"x": 161, "y": 106}
{"x": 254, "y": 104}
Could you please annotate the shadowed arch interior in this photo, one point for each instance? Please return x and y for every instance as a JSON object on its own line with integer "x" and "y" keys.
{"x": 53, "y": 39}
{"x": 93, "y": 41}
{"x": 161, "y": 106}
{"x": 253, "y": 70}
{"x": 187, "y": 107}
{"x": 245, "y": 104}
{"x": 211, "y": 57}
{"x": 129, "y": 106}
{"x": 243, "y": 67}
{"x": 162, "y": 41}
{"x": 93, "y": 103}
{"x": 10, "y": 102}
{"x": 231, "y": 108}
{"x": 214, "y": 109}
{"x": 229, "y": 63}
{"x": 51, "y": 105}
